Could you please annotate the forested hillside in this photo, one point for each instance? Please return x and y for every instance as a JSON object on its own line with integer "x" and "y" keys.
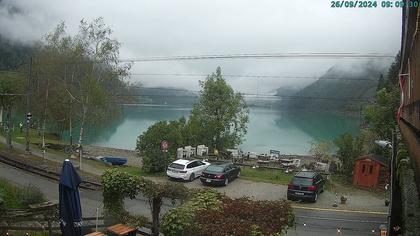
{"x": 337, "y": 89}
{"x": 13, "y": 54}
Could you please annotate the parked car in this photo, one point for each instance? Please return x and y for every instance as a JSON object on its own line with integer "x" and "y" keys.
{"x": 305, "y": 185}
{"x": 186, "y": 169}
{"x": 220, "y": 174}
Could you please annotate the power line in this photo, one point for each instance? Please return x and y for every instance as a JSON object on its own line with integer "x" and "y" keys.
{"x": 247, "y": 76}
{"x": 233, "y": 76}
{"x": 345, "y": 55}
{"x": 252, "y": 95}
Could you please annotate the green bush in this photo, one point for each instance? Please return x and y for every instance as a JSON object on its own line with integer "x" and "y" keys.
{"x": 210, "y": 213}
{"x": 19, "y": 197}
{"x": 30, "y": 195}
{"x": 177, "y": 221}
{"x": 135, "y": 221}
{"x": 117, "y": 186}
{"x": 244, "y": 216}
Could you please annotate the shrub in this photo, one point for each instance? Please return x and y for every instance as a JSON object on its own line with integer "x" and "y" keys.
{"x": 117, "y": 186}
{"x": 19, "y": 196}
{"x": 135, "y": 221}
{"x": 210, "y": 213}
{"x": 30, "y": 195}
{"x": 244, "y": 216}
{"x": 179, "y": 220}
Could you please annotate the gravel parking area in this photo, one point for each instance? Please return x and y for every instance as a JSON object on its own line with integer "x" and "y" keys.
{"x": 358, "y": 200}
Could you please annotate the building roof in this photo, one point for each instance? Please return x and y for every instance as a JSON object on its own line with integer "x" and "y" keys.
{"x": 378, "y": 158}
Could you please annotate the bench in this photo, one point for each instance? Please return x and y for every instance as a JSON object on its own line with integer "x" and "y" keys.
{"x": 120, "y": 229}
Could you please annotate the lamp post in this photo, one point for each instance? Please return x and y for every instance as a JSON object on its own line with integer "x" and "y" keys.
{"x": 391, "y": 211}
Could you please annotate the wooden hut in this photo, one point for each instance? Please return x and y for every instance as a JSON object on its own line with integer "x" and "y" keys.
{"x": 371, "y": 171}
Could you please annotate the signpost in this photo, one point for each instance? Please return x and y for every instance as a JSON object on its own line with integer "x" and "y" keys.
{"x": 164, "y": 145}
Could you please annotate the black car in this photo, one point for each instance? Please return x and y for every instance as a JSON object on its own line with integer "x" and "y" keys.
{"x": 305, "y": 185}
{"x": 220, "y": 174}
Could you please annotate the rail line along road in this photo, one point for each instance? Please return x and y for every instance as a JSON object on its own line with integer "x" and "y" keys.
{"x": 45, "y": 173}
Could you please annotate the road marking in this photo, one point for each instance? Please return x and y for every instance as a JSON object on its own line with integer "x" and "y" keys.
{"x": 339, "y": 210}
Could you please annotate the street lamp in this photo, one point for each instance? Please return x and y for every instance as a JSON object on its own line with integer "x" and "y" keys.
{"x": 390, "y": 145}
{"x": 383, "y": 143}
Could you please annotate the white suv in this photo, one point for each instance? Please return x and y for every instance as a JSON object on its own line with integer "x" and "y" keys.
{"x": 186, "y": 169}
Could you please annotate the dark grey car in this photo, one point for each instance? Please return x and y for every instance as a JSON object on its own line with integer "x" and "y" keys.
{"x": 220, "y": 174}
{"x": 305, "y": 185}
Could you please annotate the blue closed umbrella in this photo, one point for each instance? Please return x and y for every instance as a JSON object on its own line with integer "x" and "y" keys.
{"x": 69, "y": 204}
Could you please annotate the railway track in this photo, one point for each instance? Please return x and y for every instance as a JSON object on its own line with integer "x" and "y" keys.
{"x": 45, "y": 173}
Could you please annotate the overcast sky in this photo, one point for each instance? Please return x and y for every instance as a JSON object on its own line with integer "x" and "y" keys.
{"x": 195, "y": 27}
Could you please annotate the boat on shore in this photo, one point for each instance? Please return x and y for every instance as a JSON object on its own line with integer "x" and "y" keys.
{"x": 115, "y": 161}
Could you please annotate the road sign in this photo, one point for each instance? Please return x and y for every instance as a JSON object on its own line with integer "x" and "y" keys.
{"x": 29, "y": 116}
{"x": 164, "y": 145}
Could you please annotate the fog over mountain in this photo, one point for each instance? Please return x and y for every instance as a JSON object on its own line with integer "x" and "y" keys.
{"x": 189, "y": 27}
{"x": 340, "y": 88}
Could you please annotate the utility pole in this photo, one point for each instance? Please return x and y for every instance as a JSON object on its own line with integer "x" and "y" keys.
{"x": 28, "y": 108}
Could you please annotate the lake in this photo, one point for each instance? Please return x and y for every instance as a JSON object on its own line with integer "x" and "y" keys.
{"x": 288, "y": 132}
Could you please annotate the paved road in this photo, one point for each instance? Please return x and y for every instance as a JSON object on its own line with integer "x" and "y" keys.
{"x": 309, "y": 222}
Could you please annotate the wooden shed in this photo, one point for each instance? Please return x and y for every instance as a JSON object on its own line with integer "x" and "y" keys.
{"x": 371, "y": 171}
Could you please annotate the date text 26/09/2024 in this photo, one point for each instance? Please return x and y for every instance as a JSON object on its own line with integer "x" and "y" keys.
{"x": 373, "y": 4}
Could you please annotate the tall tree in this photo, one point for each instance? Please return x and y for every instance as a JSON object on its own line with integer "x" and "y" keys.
{"x": 219, "y": 118}
{"x": 83, "y": 75}
{"x": 321, "y": 150}
{"x": 349, "y": 149}
{"x": 11, "y": 91}
{"x": 148, "y": 143}
{"x": 381, "y": 115}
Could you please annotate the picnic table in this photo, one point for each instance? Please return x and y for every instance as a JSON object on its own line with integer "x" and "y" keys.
{"x": 120, "y": 229}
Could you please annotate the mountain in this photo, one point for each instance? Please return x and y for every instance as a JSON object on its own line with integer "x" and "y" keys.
{"x": 164, "y": 96}
{"x": 13, "y": 54}
{"x": 344, "y": 89}
{"x": 286, "y": 91}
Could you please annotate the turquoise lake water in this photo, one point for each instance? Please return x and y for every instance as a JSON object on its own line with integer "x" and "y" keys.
{"x": 288, "y": 132}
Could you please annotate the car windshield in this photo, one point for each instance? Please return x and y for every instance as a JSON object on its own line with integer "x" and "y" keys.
{"x": 177, "y": 166}
{"x": 215, "y": 169}
{"x": 302, "y": 181}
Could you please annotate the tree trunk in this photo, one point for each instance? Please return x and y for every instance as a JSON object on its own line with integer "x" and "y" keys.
{"x": 71, "y": 132}
{"x": 156, "y": 204}
{"x": 45, "y": 120}
{"x": 80, "y": 148}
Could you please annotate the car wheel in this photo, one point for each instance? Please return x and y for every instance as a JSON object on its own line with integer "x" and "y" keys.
{"x": 289, "y": 198}
{"x": 192, "y": 176}
{"x": 315, "y": 198}
{"x": 226, "y": 181}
